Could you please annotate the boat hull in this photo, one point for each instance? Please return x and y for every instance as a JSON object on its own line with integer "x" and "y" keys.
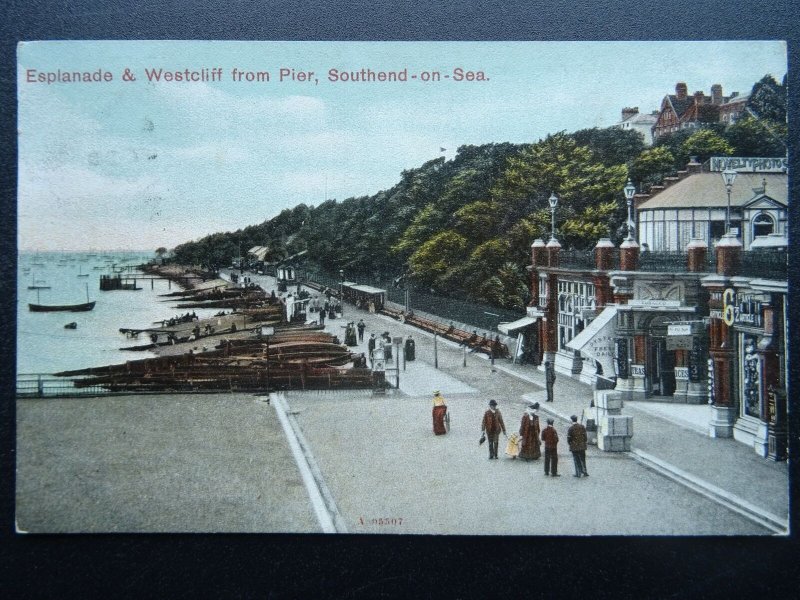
{"x": 61, "y": 308}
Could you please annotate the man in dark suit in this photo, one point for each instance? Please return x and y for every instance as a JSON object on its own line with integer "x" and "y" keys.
{"x": 549, "y": 378}
{"x": 550, "y": 439}
{"x": 576, "y": 438}
{"x": 492, "y": 425}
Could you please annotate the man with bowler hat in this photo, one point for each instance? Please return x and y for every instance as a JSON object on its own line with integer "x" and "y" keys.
{"x": 549, "y": 378}
{"x": 550, "y": 439}
{"x": 576, "y": 438}
{"x": 492, "y": 425}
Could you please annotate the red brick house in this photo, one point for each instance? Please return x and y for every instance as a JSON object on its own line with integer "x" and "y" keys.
{"x": 682, "y": 111}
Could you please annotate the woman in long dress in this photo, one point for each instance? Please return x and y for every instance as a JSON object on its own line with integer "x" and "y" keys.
{"x": 439, "y": 413}
{"x": 529, "y": 432}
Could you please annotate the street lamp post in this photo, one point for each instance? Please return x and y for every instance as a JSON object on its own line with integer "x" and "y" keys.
{"x": 728, "y": 176}
{"x": 341, "y": 290}
{"x": 553, "y": 200}
{"x": 630, "y": 190}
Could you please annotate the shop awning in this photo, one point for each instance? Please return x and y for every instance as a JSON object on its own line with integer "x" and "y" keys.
{"x": 597, "y": 340}
{"x": 510, "y": 328}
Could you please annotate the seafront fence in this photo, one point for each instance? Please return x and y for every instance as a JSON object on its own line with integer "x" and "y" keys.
{"x": 446, "y": 308}
{"x": 45, "y": 385}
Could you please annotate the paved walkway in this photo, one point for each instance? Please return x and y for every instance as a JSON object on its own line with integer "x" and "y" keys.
{"x": 672, "y": 435}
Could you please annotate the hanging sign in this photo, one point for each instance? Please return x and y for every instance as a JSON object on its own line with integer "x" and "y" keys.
{"x": 679, "y": 342}
{"x": 679, "y": 329}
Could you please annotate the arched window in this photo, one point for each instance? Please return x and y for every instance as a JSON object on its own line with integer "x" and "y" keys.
{"x": 763, "y": 224}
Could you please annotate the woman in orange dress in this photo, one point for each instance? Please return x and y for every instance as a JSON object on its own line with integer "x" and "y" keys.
{"x": 439, "y": 413}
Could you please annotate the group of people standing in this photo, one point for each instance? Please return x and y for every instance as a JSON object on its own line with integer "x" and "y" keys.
{"x": 526, "y": 444}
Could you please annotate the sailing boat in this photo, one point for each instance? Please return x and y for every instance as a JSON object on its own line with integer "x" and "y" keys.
{"x": 62, "y": 307}
{"x": 81, "y": 273}
{"x": 37, "y": 285}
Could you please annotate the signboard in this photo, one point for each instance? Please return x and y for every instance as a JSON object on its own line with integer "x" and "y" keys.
{"x": 740, "y": 309}
{"x": 640, "y": 302}
{"x": 679, "y": 329}
{"x": 637, "y": 370}
{"x": 681, "y": 372}
{"x": 680, "y": 342}
{"x": 751, "y": 165}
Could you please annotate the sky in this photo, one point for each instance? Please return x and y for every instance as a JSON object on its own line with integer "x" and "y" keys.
{"x": 139, "y": 164}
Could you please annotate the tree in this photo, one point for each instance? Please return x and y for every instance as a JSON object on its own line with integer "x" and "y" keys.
{"x": 557, "y": 164}
{"x": 754, "y": 137}
{"x": 704, "y": 144}
{"x": 768, "y": 100}
{"x": 611, "y": 145}
{"x": 651, "y": 166}
{"x": 435, "y": 256}
{"x": 674, "y": 143}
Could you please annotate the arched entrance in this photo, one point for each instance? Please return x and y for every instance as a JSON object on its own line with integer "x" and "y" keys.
{"x": 660, "y": 365}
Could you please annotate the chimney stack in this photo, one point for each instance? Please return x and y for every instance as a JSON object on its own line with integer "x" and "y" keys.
{"x": 628, "y": 112}
{"x": 681, "y": 91}
{"x": 716, "y": 94}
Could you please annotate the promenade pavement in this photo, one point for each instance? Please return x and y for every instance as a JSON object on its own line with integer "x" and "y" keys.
{"x": 230, "y": 462}
{"x": 674, "y": 434}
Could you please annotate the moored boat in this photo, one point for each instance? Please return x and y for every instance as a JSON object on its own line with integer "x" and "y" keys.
{"x": 61, "y": 307}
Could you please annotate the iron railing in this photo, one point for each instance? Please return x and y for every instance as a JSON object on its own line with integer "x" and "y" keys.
{"x": 41, "y": 385}
{"x": 476, "y": 314}
{"x": 765, "y": 264}
{"x": 665, "y": 262}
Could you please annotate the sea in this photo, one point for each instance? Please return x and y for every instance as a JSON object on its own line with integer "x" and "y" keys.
{"x": 45, "y": 346}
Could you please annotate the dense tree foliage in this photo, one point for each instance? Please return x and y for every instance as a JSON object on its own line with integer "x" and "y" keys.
{"x": 465, "y": 226}
{"x": 768, "y": 100}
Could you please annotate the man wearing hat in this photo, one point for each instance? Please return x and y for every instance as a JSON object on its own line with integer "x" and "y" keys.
{"x": 576, "y": 438}
{"x": 550, "y": 439}
{"x": 529, "y": 431}
{"x": 492, "y": 425}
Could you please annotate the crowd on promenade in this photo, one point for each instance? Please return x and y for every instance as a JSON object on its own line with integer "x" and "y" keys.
{"x": 525, "y": 444}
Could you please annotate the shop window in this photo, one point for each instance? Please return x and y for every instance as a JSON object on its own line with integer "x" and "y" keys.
{"x": 751, "y": 397}
{"x": 763, "y": 224}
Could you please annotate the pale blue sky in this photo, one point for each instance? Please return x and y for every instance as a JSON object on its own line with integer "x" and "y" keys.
{"x": 142, "y": 165}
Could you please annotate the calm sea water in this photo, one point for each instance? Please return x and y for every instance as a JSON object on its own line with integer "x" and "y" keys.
{"x": 44, "y": 346}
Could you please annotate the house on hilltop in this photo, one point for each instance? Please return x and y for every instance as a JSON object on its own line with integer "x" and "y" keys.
{"x": 632, "y": 119}
{"x": 682, "y": 111}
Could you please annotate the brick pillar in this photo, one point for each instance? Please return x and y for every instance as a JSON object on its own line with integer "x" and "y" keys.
{"x": 603, "y": 254}
{"x": 773, "y": 397}
{"x": 628, "y": 255}
{"x": 603, "y": 259}
{"x": 729, "y": 255}
{"x": 553, "y": 248}
{"x": 538, "y": 259}
{"x": 696, "y": 256}
{"x": 722, "y": 359}
{"x": 551, "y": 325}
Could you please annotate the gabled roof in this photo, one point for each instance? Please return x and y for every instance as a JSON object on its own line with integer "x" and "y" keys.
{"x": 764, "y": 200}
{"x": 680, "y": 106}
{"x": 706, "y": 190}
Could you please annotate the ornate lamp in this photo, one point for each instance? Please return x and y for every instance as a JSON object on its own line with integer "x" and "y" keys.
{"x": 553, "y": 201}
{"x": 728, "y": 176}
{"x": 630, "y": 190}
